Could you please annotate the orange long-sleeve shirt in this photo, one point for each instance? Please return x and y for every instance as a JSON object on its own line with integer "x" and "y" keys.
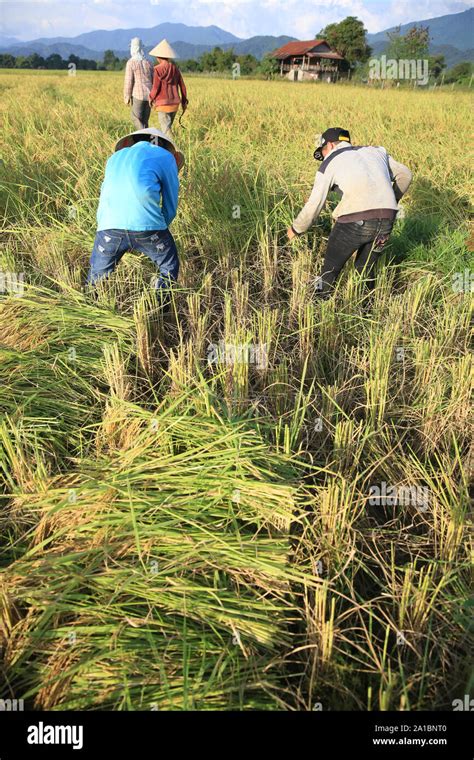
{"x": 168, "y": 89}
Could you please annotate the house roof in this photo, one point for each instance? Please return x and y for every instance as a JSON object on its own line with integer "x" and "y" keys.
{"x": 332, "y": 54}
{"x": 298, "y": 47}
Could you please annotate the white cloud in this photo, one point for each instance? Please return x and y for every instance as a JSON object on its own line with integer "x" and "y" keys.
{"x": 28, "y": 19}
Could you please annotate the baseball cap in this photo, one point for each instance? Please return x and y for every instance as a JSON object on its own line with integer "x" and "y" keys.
{"x": 333, "y": 134}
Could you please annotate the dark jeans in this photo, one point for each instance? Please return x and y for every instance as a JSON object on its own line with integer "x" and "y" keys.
{"x": 140, "y": 113}
{"x": 367, "y": 237}
{"x": 158, "y": 245}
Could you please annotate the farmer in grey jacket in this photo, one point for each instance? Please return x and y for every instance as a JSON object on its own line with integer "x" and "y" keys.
{"x": 371, "y": 183}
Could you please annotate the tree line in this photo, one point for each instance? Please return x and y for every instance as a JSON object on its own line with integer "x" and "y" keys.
{"x": 54, "y": 61}
{"x": 216, "y": 60}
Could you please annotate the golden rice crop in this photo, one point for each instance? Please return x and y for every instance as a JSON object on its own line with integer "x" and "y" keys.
{"x": 180, "y": 533}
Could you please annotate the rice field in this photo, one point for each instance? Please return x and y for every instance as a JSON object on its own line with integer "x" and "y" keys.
{"x": 197, "y": 508}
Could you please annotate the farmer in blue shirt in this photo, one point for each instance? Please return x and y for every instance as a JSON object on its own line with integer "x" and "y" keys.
{"x": 138, "y": 201}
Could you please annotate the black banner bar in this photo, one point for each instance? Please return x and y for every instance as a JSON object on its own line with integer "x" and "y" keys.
{"x": 132, "y": 734}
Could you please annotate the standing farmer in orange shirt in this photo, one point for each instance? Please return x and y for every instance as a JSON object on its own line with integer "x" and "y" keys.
{"x": 137, "y": 84}
{"x": 168, "y": 90}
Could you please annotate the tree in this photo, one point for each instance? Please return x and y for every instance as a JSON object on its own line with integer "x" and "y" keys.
{"x": 418, "y": 41}
{"x": 436, "y": 64}
{"x": 248, "y": 63}
{"x": 190, "y": 64}
{"x": 110, "y": 60}
{"x": 348, "y": 38}
{"x": 411, "y": 46}
{"x": 22, "y": 62}
{"x": 54, "y": 61}
{"x": 217, "y": 60}
{"x": 209, "y": 60}
{"x": 460, "y": 73}
{"x": 88, "y": 63}
{"x": 7, "y": 61}
{"x": 268, "y": 66}
{"x": 35, "y": 61}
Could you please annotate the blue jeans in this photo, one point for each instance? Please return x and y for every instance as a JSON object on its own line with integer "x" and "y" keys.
{"x": 158, "y": 245}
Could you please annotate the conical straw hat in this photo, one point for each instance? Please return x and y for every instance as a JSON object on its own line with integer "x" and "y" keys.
{"x": 127, "y": 141}
{"x": 163, "y": 50}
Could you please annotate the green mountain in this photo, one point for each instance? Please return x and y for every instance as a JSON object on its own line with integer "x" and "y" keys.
{"x": 119, "y": 39}
{"x": 450, "y": 35}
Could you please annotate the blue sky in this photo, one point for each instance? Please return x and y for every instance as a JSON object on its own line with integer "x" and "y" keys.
{"x": 28, "y": 19}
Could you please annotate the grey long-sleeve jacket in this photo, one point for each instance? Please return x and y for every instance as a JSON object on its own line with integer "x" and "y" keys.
{"x": 369, "y": 180}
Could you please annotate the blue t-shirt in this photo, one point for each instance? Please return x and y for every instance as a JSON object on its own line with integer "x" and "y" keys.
{"x": 140, "y": 189}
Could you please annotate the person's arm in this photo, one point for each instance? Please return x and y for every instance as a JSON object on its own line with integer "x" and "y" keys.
{"x": 184, "y": 94}
{"x": 150, "y": 72}
{"x": 314, "y": 204}
{"x": 401, "y": 177}
{"x": 128, "y": 83}
{"x": 156, "y": 87}
{"x": 168, "y": 174}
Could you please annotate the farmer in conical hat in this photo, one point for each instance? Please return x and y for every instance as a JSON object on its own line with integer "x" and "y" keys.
{"x": 168, "y": 90}
{"x": 138, "y": 83}
{"x": 138, "y": 202}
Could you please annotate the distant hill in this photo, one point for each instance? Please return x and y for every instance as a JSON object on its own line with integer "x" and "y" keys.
{"x": 456, "y": 29}
{"x": 119, "y": 39}
{"x": 452, "y": 55}
{"x": 64, "y": 49}
{"x": 4, "y": 40}
{"x": 451, "y": 35}
{"x": 259, "y": 45}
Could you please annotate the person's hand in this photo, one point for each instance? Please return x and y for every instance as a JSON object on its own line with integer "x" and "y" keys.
{"x": 127, "y": 101}
{"x": 291, "y": 234}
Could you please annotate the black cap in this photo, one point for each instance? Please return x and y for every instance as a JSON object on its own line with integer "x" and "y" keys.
{"x": 333, "y": 134}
